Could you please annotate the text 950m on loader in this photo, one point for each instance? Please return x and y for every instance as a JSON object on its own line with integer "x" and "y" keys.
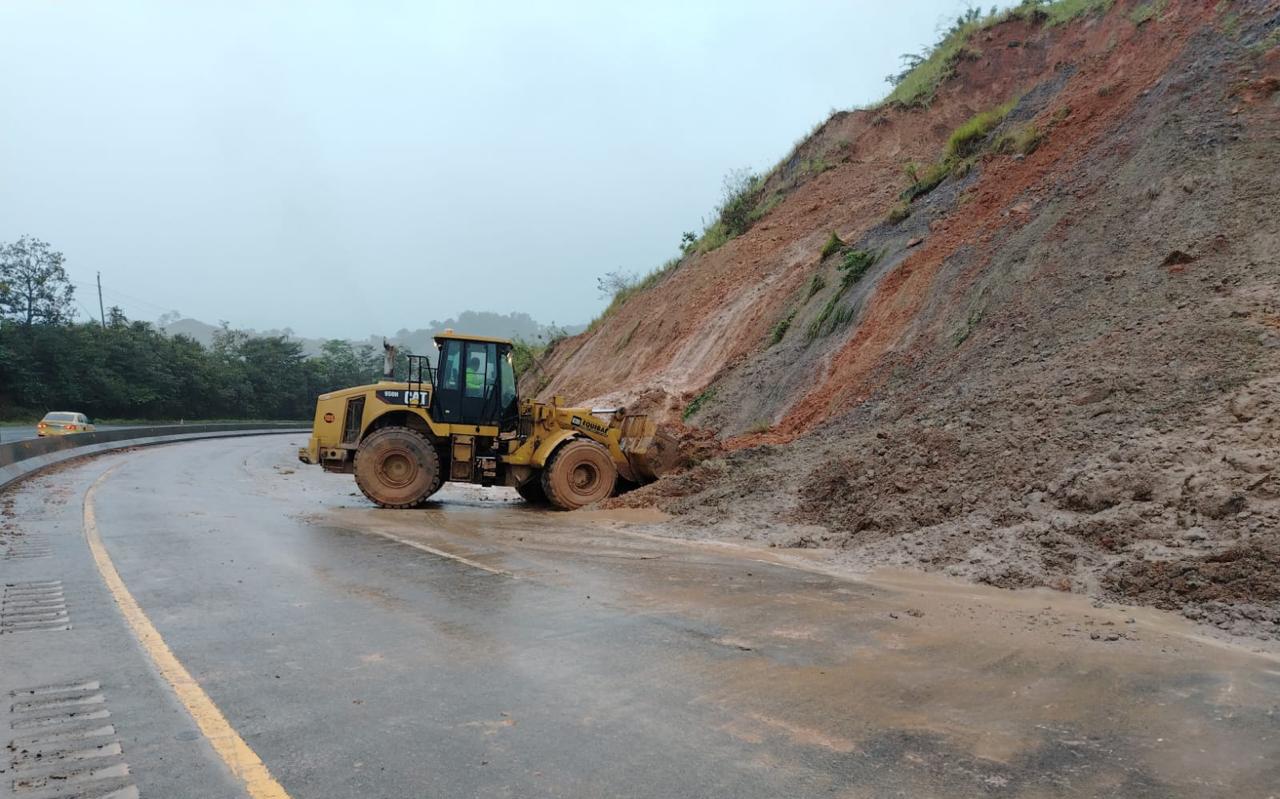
{"x": 463, "y": 420}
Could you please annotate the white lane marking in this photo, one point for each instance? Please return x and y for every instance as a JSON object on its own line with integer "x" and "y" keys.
{"x": 439, "y": 552}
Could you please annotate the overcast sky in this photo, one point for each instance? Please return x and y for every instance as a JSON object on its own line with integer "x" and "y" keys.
{"x": 355, "y": 168}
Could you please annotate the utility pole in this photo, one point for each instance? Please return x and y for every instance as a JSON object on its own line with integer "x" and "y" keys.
{"x": 102, "y": 315}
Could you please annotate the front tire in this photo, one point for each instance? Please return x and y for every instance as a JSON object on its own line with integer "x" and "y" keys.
{"x": 397, "y": 467}
{"x": 579, "y": 473}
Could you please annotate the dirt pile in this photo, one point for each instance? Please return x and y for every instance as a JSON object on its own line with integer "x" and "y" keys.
{"x": 1046, "y": 348}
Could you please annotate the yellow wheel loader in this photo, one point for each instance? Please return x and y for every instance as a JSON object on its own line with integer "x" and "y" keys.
{"x": 463, "y": 420}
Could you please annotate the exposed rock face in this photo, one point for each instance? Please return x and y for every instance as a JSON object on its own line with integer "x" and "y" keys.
{"x": 1063, "y": 366}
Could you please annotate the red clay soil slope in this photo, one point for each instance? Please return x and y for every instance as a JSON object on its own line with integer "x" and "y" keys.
{"x": 1054, "y": 361}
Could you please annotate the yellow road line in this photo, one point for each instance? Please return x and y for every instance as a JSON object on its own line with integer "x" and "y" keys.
{"x": 242, "y": 760}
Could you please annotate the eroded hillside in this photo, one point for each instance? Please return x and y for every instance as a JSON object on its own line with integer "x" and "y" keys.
{"x": 1043, "y": 347}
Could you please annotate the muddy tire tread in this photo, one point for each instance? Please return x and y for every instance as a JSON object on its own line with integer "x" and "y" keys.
{"x": 432, "y": 456}
{"x": 555, "y": 496}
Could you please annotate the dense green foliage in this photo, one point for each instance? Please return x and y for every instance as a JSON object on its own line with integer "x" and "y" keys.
{"x": 130, "y": 370}
{"x": 34, "y": 286}
{"x": 121, "y": 369}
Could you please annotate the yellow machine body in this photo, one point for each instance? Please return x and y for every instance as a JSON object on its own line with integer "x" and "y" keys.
{"x": 510, "y": 447}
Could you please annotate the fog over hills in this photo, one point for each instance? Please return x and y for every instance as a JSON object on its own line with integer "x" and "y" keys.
{"x": 483, "y": 323}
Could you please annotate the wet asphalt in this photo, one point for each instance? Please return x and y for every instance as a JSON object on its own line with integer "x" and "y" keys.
{"x": 583, "y": 663}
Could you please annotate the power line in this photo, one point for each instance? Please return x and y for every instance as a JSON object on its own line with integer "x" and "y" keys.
{"x": 87, "y": 312}
{"x": 116, "y": 294}
{"x": 131, "y": 298}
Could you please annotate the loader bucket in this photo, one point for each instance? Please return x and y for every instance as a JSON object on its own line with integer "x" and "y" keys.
{"x": 650, "y": 452}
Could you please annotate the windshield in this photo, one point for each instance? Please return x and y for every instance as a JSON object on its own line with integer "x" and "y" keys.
{"x": 448, "y": 374}
{"x": 479, "y": 376}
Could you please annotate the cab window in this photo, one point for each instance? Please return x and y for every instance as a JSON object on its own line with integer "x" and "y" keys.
{"x": 449, "y": 361}
{"x": 508, "y": 384}
{"x": 467, "y": 383}
{"x": 480, "y": 369}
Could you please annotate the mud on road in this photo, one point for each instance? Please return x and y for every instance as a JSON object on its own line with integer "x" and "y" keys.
{"x": 994, "y": 692}
{"x": 483, "y": 647}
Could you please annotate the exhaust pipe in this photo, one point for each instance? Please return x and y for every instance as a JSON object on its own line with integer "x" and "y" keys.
{"x": 388, "y": 361}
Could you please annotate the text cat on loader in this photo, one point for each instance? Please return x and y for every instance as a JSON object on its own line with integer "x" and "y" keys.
{"x": 464, "y": 421}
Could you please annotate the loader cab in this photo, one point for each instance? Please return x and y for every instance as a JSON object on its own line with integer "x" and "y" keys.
{"x": 474, "y": 382}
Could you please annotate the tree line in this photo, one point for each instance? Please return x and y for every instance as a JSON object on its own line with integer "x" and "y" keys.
{"x": 119, "y": 368}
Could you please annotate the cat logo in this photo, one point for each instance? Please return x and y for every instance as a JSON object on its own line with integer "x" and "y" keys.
{"x": 329, "y": 417}
{"x": 419, "y": 399}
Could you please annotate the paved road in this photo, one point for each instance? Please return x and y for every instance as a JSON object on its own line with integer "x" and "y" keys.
{"x": 480, "y": 648}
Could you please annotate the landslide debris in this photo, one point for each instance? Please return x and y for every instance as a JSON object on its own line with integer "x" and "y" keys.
{"x": 1059, "y": 362}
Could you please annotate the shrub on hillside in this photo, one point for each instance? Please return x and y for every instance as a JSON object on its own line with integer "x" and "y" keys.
{"x": 818, "y": 283}
{"x": 1023, "y": 141}
{"x": 780, "y": 329}
{"x": 834, "y": 244}
{"x": 967, "y": 139}
{"x": 696, "y": 404}
{"x": 834, "y": 315}
{"x": 899, "y": 212}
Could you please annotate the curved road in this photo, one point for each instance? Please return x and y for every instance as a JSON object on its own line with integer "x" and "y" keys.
{"x": 481, "y": 648}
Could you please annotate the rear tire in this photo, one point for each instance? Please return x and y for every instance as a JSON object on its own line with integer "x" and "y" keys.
{"x": 579, "y": 473}
{"x": 397, "y": 467}
{"x": 532, "y": 492}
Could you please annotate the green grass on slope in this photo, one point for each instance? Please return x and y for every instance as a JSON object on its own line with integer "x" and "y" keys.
{"x": 744, "y": 202}
{"x": 1067, "y": 10}
{"x": 917, "y": 87}
{"x": 965, "y": 139}
{"x": 696, "y": 404}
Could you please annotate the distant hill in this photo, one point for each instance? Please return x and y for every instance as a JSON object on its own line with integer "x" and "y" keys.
{"x": 482, "y": 323}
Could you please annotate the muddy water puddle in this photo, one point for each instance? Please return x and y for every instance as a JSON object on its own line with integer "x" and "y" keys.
{"x": 776, "y": 667}
{"x": 1027, "y": 693}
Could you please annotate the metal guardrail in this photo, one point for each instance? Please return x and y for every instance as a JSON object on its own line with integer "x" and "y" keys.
{"x": 21, "y": 458}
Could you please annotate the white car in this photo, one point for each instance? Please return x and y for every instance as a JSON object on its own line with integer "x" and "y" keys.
{"x": 63, "y": 423}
